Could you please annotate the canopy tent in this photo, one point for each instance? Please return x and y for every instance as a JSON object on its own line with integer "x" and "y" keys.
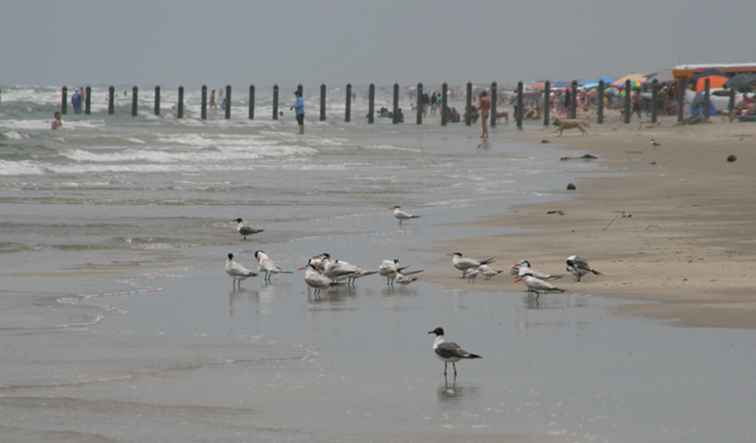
{"x": 715, "y": 82}
{"x": 636, "y": 80}
{"x": 742, "y": 82}
{"x": 590, "y": 84}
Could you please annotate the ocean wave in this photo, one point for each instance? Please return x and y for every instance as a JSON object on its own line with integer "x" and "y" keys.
{"x": 218, "y": 154}
{"x": 20, "y": 168}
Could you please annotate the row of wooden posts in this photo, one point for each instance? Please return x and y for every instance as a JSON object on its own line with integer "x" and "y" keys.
{"x": 572, "y": 111}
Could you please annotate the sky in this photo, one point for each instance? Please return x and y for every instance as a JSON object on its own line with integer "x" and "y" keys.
{"x": 190, "y": 42}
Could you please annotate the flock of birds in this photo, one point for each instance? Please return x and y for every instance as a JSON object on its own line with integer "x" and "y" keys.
{"x": 324, "y": 271}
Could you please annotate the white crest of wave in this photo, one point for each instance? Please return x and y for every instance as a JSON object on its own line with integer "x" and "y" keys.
{"x": 20, "y": 168}
{"x": 219, "y": 154}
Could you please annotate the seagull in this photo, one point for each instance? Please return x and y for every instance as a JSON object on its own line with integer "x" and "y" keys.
{"x": 535, "y": 284}
{"x": 406, "y": 278}
{"x": 449, "y": 352}
{"x": 462, "y": 263}
{"x": 654, "y": 143}
{"x": 245, "y": 230}
{"x": 236, "y": 271}
{"x": 267, "y": 265}
{"x": 579, "y": 267}
{"x": 525, "y": 264}
{"x": 403, "y": 215}
{"x": 314, "y": 279}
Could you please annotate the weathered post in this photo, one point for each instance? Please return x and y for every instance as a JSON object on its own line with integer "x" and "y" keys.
{"x": 134, "y": 101}
{"x": 180, "y": 105}
{"x": 348, "y": 104}
{"x": 111, "y": 100}
{"x": 251, "y": 103}
{"x": 494, "y": 103}
{"x": 628, "y": 98}
{"x": 420, "y": 104}
{"x": 395, "y": 115}
{"x": 157, "y": 100}
{"x": 520, "y": 114}
{"x": 203, "y": 107}
{"x": 88, "y": 100}
{"x": 444, "y": 103}
{"x": 228, "y": 102}
{"x": 546, "y": 103}
{"x": 707, "y": 97}
{"x": 731, "y": 105}
{"x": 654, "y": 100}
{"x": 574, "y": 99}
{"x": 64, "y": 100}
{"x": 275, "y": 102}
{"x": 600, "y": 102}
{"x": 323, "y": 102}
{"x": 468, "y": 104}
{"x": 371, "y": 104}
{"x": 681, "y": 88}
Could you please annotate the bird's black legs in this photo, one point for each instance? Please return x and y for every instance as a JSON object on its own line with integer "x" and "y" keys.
{"x": 445, "y": 365}
{"x": 454, "y": 366}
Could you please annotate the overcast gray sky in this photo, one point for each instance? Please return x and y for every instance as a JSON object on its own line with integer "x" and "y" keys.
{"x": 335, "y": 41}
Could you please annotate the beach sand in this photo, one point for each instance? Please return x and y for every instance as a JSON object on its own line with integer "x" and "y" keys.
{"x": 685, "y": 250}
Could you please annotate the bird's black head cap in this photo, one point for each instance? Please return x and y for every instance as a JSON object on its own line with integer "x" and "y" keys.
{"x": 438, "y": 331}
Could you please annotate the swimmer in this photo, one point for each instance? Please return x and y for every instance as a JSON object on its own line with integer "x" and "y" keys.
{"x": 57, "y": 123}
{"x": 298, "y": 107}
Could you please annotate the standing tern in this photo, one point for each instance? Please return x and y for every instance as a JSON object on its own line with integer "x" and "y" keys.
{"x": 267, "y": 265}
{"x": 525, "y": 264}
{"x": 578, "y": 266}
{"x": 488, "y": 272}
{"x": 403, "y": 215}
{"x": 341, "y": 270}
{"x": 390, "y": 269}
{"x": 535, "y": 284}
{"x": 449, "y": 352}
{"x": 462, "y": 263}
{"x": 236, "y": 271}
{"x": 314, "y": 279}
{"x": 245, "y": 230}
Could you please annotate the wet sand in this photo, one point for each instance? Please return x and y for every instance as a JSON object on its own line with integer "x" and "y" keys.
{"x": 686, "y": 242}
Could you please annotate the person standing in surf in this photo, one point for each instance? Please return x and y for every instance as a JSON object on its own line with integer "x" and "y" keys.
{"x": 484, "y": 105}
{"x": 298, "y": 108}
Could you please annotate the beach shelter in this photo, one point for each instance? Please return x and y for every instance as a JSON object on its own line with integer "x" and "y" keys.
{"x": 635, "y": 79}
{"x": 715, "y": 82}
{"x": 742, "y": 82}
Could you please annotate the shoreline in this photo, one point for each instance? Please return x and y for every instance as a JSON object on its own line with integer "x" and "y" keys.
{"x": 685, "y": 250}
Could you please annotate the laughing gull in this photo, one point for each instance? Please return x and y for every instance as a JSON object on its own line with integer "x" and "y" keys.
{"x": 236, "y": 271}
{"x": 267, "y": 265}
{"x": 449, "y": 352}
{"x": 525, "y": 264}
{"x": 462, "y": 263}
{"x": 245, "y": 230}
{"x": 578, "y": 266}
{"x": 403, "y": 215}
{"x": 535, "y": 284}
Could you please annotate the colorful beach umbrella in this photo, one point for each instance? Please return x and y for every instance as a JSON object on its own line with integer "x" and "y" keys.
{"x": 715, "y": 82}
{"x": 636, "y": 80}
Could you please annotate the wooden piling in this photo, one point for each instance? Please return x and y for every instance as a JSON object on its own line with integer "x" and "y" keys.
{"x": 444, "y": 104}
{"x": 134, "y": 101}
{"x": 547, "y": 103}
{"x": 157, "y": 100}
{"x": 371, "y": 104}
{"x": 468, "y": 104}
{"x": 731, "y": 105}
{"x": 228, "y": 102}
{"x": 681, "y": 89}
{"x": 251, "y": 103}
{"x": 275, "y": 102}
{"x": 494, "y": 103}
{"x": 707, "y": 97}
{"x": 64, "y": 100}
{"x": 111, "y": 100}
{"x": 348, "y": 104}
{"x": 573, "y": 99}
{"x": 600, "y": 102}
{"x": 88, "y": 100}
{"x": 419, "y": 106}
{"x": 654, "y": 100}
{"x": 203, "y": 105}
{"x": 323, "y": 102}
{"x": 395, "y": 115}
{"x": 520, "y": 111}
{"x": 628, "y": 100}
{"x": 180, "y": 105}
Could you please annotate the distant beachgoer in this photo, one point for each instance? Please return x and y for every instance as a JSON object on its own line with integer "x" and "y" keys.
{"x": 76, "y": 101}
{"x": 484, "y": 105}
{"x": 298, "y": 108}
{"x": 221, "y": 99}
{"x": 213, "y": 105}
{"x": 57, "y": 123}
{"x": 637, "y": 104}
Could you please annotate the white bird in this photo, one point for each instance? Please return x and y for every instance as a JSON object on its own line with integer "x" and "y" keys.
{"x": 471, "y": 274}
{"x": 267, "y": 265}
{"x": 578, "y": 266}
{"x": 403, "y": 215}
{"x": 525, "y": 264}
{"x": 449, "y": 352}
{"x": 245, "y": 230}
{"x": 318, "y": 261}
{"x": 406, "y": 278}
{"x": 340, "y": 270}
{"x": 236, "y": 271}
{"x": 488, "y": 272}
{"x": 654, "y": 143}
{"x": 535, "y": 284}
{"x": 314, "y": 279}
{"x": 462, "y": 263}
{"x": 389, "y": 269}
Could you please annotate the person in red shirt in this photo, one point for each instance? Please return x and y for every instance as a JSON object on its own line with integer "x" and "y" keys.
{"x": 484, "y": 106}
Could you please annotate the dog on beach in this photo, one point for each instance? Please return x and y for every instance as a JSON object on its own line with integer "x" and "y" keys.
{"x": 570, "y": 123}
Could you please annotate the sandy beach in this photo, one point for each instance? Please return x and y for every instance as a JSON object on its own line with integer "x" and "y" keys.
{"x": 683, "y": 250}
